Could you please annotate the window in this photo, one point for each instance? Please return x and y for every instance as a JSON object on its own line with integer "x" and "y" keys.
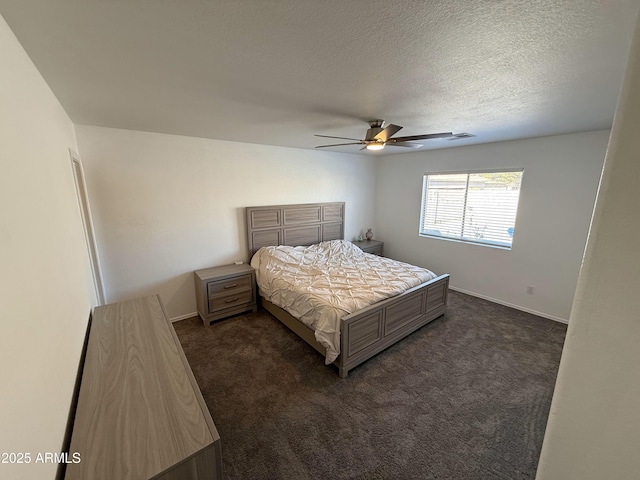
{"x": 473, "y": 207}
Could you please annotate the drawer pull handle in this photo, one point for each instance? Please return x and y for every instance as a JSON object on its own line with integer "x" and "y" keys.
{"x": 231, "y": 286}
{"x": 229, "y": 300}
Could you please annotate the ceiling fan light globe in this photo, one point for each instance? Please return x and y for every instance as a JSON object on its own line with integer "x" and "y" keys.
{"x": 375, "y": 146}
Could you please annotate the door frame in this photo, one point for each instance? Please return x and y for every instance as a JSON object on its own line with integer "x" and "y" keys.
{"x": 87, "y": 223}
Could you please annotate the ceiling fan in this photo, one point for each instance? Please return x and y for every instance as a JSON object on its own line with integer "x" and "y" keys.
{"x": 378, "y": 136}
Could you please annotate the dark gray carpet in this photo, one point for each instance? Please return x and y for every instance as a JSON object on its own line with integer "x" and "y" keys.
{"x": 465, "y": 397}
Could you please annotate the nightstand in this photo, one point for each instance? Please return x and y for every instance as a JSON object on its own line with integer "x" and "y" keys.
{"x": 224, "y": 291}
{"x": 371, "y": 246}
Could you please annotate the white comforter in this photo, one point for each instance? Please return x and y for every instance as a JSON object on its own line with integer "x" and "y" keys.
{"x": 322, "y": 283}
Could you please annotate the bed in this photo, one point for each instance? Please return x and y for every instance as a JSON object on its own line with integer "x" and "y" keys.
{"x": 360, "y": 333}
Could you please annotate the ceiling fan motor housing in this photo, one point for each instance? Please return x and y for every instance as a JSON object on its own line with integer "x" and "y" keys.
{"x": 376, "y": 126}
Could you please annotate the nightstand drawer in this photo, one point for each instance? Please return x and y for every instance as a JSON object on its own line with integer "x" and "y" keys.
{"x": 229, "y": 300}
{"x": 374, "y": 247}
{"x": 224, "y": 291}
{"x": 235, "y": 284}
{"x": 374, "y": 250}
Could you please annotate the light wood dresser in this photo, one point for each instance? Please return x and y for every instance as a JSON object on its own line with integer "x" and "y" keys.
{"x": 224, "y": 291}
{"x": 140, "y": 412}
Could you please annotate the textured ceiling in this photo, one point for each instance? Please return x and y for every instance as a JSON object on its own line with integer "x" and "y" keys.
{"x": 277, "y": 71}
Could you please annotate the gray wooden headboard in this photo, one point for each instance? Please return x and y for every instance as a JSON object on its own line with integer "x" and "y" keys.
{"x": 293, "y": 225}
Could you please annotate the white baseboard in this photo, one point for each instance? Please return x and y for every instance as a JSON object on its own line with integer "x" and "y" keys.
{"x": 473, "y": 294}
{"x": 184, "y": 317}
{"x": 517, "y": 307}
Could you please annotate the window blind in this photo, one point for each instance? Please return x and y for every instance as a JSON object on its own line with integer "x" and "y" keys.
{"x": 474, "y": 207}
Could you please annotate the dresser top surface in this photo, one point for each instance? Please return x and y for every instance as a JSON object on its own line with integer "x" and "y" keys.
{"x": 138, "y": 411}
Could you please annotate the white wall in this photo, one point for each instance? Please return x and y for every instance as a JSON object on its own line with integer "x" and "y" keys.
{"x": 46, "y": 290}
{"x": 560, "y": 180}
{"x": 166, "y": 205}
{"x": 594, "y": 423}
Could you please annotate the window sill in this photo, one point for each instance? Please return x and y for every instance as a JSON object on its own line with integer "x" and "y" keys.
{"x": 468, "y": 242}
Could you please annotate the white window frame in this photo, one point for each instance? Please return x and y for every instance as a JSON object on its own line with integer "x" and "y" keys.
{"x": 469, "y": 240}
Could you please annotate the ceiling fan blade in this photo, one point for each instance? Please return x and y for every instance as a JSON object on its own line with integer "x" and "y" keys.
{"x": 428, "y": 136}
{"x": 387, "y": 132}
{"x": 341, "y": 138}
{"x": 340, "y": 144}
{"x": 404, "y": 144}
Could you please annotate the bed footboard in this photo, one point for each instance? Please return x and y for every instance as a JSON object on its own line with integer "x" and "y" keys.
{"x": 369, "y": 331}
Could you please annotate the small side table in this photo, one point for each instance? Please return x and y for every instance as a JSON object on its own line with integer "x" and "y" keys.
{"x": 371, "y": 246}
{"x": 224, "y": 291}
